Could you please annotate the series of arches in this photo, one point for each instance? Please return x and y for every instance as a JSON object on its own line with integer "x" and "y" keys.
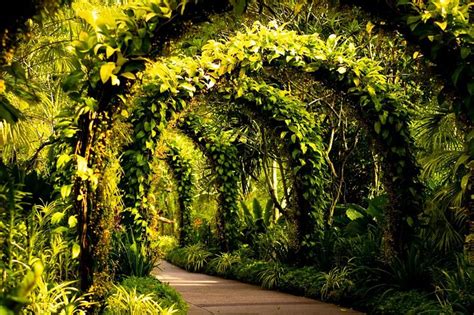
{"x": 171, "y": 83}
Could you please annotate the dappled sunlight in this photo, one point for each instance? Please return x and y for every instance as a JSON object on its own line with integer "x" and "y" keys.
{"x": 157, "y": 151}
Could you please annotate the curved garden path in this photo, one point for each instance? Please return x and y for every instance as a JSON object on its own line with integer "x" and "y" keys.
{"x": 213, "y": 295}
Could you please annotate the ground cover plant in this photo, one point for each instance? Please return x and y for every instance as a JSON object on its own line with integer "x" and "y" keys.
{"x": 321, "y": 148}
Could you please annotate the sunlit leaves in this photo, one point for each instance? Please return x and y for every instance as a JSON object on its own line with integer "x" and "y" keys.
{"x": 106, "y": 72}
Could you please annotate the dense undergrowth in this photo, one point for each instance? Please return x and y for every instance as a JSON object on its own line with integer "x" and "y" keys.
{"x": 409, "y": 286}
{"x": 315, "y": 147}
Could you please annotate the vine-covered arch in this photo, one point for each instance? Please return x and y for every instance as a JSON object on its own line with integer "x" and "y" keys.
{"x": 171, "y": 82}
{"x": 222, "y": 155}
{"x": 290, "y": 120}
{"x": 183, "y": 173}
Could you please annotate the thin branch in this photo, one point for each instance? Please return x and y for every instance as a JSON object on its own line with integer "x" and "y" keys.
{"x": 32, "y": 161}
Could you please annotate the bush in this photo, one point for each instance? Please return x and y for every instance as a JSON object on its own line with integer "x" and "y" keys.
{"x": 249, "y": 271}
{"x": 408, "y": 302}
{"x": 304, "y": 281}
{"x": 192, "y": 257}
{"x": 457, "y": 287}
{"x": 165, "y": 244}
{"x": 161, "y": 292}
{"x": 222, "y": 264}
{"x": 270, "y": 276}
{"x": 274, "y": 244}
{"x": 127, "y": 301}
{"x": 337, "y": 284}
{"x": 133, "y": 257}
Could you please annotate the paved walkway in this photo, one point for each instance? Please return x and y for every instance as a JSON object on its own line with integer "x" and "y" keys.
{"x": 213, "y": 295}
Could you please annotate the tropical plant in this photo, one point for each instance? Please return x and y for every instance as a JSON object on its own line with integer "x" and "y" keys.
{"x": 167, "y": 296}
{"x": 133, "y": 257}
{"x": 127, "y": 301}
{"x": 164, "y": 244}
{"x": 196, "y": 257}
{"x": 223, "y": 262}
{"x": 457, "y": 287}
{"x": 336, "y": 283}
{"x": 62, "y": 298}
{"x": 271, "y": 275}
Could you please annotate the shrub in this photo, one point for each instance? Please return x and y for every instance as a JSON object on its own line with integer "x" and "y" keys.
{"x": 408, "y": 302}
{"x": 305, "y": 281}
{"x": 133, "y": 257}
{"x": 161, "y": 292}
{"x": 62, "y": 298}
{"x": 249, "y": 270}
{"x": 457, "y": 287}
{"x": 223, "y": 263}
{"x": 336, "y": 284}
{"x": 128, "y": 301}
{"x": 270, "y": 276}
{"x": 177, "y": 257}
{"x": 164, "y": 244}
{"x": 274, "y": 244}
{"x": 192, "y": 257}
{"x": 196, "y": 257}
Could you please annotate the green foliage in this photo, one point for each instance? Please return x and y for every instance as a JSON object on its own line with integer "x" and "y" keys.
{"x": 133, "y": 257}
{"x": 113, "y": 85}
{"x": 128, "y": 301}
{"x": 405, "y": 302}
{"x": 446, "y": 26}
{"x": 457, "y": 287}
{"x": 164, "y": 244}
{"x": 305, "y": 281}
{"x": 39, "y": 255}
{"x": 63, "y": 298}
{"x": 336, "y": 284}
{"x": 222, "y": 263}
{"x": 161, "y": 292}
{"x": 270, "y": 276}
{"x": 183, "y": 172}
{"x": 222, "y": 154}
{"x": 192, "y": 257}
{"x": 274, "y": 244}
{"x": 379, "y": 104}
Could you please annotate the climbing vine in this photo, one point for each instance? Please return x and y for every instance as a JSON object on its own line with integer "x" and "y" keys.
{"x": 106, "y": 58}
{"x": 289, "y": 119}
{"x": 379, "y": 104}
{"x": 182, "y": 170}
{"x": 164, "y": 91}
{"x": 222, "y": 155}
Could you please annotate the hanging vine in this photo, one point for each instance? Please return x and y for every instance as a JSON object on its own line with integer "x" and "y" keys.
{"x": 222, "y": 155}
{"x": 379, "y": 104}
{"x": 182, "y": 170}
{"x": 106, "y": 57}
{"x": 289, "y": 119}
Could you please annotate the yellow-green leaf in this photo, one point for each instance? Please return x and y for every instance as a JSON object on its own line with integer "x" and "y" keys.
{"x": 377, "y": 127}
{"x": 442, "y": 25}
{"x": 150, "y": 15}
{"x": 66, "y": 191}
{"x": 72, "y": 221}
{"x": 369, "y": 27}
{"x": 109, "y": 51}
{"x": 115, "y": 80}
{"x": 106, "y": 71}
{"x": 128, "y": 75}
{"x": 62, "y": 160}
{"x": 75, "y": 251}
{"x": 57, "y": 217}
